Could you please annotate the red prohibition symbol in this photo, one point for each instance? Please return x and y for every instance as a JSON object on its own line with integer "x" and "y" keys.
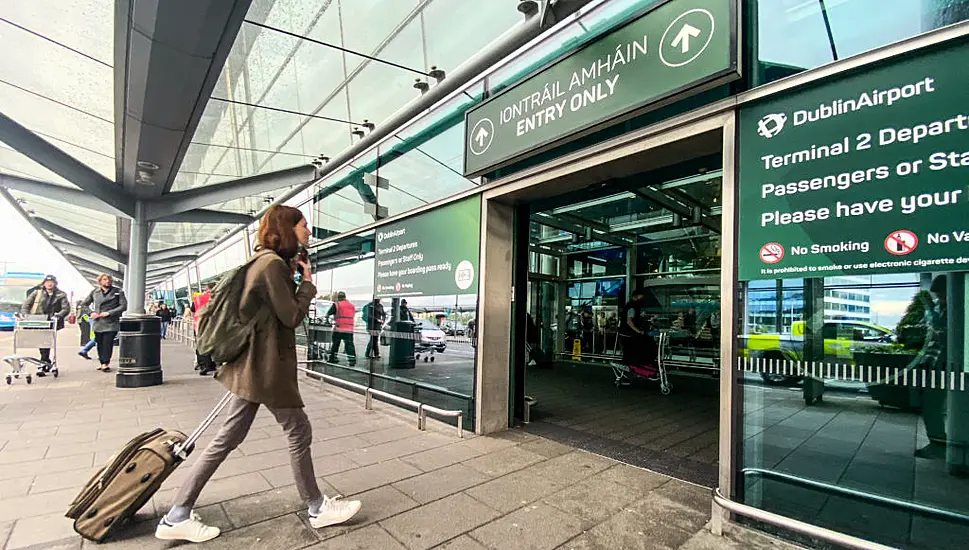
{"x": 771, "y": 253}
{"x": 901, "y": 242}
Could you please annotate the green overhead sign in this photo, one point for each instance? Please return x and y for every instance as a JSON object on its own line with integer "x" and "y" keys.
{"x": 862, "y": 174}
{"x": 430, "y": 254}
{"x": 679, "y": 46}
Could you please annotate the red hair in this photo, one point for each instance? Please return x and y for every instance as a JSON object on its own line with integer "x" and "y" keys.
{"x": 277, "y": 230}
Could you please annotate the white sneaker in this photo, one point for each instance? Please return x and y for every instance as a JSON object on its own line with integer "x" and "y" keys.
{"x": 334, "y": 512}
{"x": 191, "y": 530}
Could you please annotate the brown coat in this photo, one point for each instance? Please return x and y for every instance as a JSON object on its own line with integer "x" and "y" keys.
{"x": 266, "y": 372}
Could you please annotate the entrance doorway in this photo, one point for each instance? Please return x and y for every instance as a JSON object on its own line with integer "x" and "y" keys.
{"x": 655, "y": 234}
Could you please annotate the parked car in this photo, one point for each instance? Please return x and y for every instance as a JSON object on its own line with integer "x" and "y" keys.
{"x": 842, "y": 339}
{"x": 431, "y": 335}
{"x": 453, "y": 328}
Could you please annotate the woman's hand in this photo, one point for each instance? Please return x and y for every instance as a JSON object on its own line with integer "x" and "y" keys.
{"x": 305, "y": 271}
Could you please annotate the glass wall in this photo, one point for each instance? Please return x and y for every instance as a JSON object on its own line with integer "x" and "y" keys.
{"x": 855, "y": 406}
{"x": 793, "y": 35}
{"x": 415, "y": 344}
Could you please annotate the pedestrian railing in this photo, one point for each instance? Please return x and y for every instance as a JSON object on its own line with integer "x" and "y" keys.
{"x": 369, "y": 393}
{"x": 182, "y": 330}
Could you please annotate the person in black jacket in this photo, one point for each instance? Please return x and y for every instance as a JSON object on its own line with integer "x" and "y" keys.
{"x": 166, "y": 316}
{"x": 52, "y": 302}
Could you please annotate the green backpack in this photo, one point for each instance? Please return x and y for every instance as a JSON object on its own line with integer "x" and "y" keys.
{"x": 222, "y": 334}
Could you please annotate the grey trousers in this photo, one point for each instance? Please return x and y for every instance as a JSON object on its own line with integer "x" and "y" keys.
{"x": 241, "y": 413}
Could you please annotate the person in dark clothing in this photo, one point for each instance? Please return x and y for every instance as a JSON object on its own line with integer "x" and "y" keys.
{"x": 689, "y": 321}
{"x": 375, "y": 317}
{"x": 933, "y": 357}
{"x": 471, "y": 332}
{"x": 51, "y": 302}
{"x": 531, "y": 340}
{"x": 109, "y": 304}
{"x": 405, "y": 314}
{"x": 638, "y": 347}
{"x": 166, "y": 316}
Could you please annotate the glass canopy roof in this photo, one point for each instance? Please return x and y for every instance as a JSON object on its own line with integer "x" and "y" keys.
{"x": 303, "y": 75}
{"x": 56, "y": 79}
{"x": 304, "y": 79}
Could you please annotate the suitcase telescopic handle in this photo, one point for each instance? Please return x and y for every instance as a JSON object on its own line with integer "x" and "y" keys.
{"x": 185, "y": 448}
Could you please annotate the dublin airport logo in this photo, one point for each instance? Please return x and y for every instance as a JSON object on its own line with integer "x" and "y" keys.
{"x": 771, "y": 125}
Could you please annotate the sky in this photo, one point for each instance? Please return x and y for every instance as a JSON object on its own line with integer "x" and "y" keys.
{"x": 23, "y": 249}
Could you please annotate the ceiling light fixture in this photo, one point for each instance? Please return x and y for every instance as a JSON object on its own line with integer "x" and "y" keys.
{"x": 528, "y": 7}
{"x": 437, "y": 74}
{"x": 422, "y": 86}
{"x": 144, "y": 178}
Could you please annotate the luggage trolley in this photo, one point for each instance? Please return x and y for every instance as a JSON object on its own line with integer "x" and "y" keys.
{"x": 32, "y": 331}
{"x": 624, "y": 373}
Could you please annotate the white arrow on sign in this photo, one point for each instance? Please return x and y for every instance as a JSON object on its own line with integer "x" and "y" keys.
{"x": 481, "y": 136}
{"x": 683, "y": 37}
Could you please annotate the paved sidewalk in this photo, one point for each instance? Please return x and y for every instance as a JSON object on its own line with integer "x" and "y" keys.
{"x": 420, "y": 490}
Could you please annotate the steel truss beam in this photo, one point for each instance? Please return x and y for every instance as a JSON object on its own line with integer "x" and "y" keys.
{"x": 42, "y": 152}
{"x": 686, "y": 211}
{"x": 78, "y": 239}
{"x": 173, "y": 260}
{"x": 193, "y": 250}
{"x": 200, "y": 215}
{"x": 67, "y": 195}
{"x": 200, "y": 197}
{"x": 94, "y": 266}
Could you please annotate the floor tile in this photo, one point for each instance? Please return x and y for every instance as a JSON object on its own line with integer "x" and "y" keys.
{"x": 536, "y": 527}
{"x": 430, "y": 525}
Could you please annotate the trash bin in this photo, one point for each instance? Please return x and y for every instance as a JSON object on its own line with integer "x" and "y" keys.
{"x": 139, "y": 352}
{"x": 401, "y": 339}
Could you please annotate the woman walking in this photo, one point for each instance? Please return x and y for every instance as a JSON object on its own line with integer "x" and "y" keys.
{"x": 165, "y": 315}
{"x": 109, "y": 304}
{"x": 265, "y": 374}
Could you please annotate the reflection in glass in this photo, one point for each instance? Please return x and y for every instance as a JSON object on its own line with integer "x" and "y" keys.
{"x": 793, "y": 35}
{"x": 854, "y": 405}
{"x": 416, "y": 347}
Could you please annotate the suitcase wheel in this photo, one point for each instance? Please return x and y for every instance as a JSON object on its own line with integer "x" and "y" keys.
{"x": 9, "y": 380}
{"x": 29, "y": 379}
{"x": 55, "y": 373}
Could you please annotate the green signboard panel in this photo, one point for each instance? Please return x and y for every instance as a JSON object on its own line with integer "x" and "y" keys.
{"x": 861, "y": 174}
{"x": 430, "y": 254}
{"x": 678, "y": 46}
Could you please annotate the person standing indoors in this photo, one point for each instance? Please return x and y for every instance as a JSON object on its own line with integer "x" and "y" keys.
{"x": 374, "y": 316}
{"x": 343, "y": 314}
{"x": 51, "y": 302}
{"x": 264, "y": 375}
{"x": 165, "y": 315}
{"x": 109, "y": 304}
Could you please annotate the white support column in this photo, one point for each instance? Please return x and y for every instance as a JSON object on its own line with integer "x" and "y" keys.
{"x": 494, "y": 317}
{"x": 137, "y": 261}
{"x": 728, "y": 325}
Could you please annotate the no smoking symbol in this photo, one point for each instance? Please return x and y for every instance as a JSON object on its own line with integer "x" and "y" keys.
{"x": 901, "y": 242}
{"x": 771, "y": 253}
